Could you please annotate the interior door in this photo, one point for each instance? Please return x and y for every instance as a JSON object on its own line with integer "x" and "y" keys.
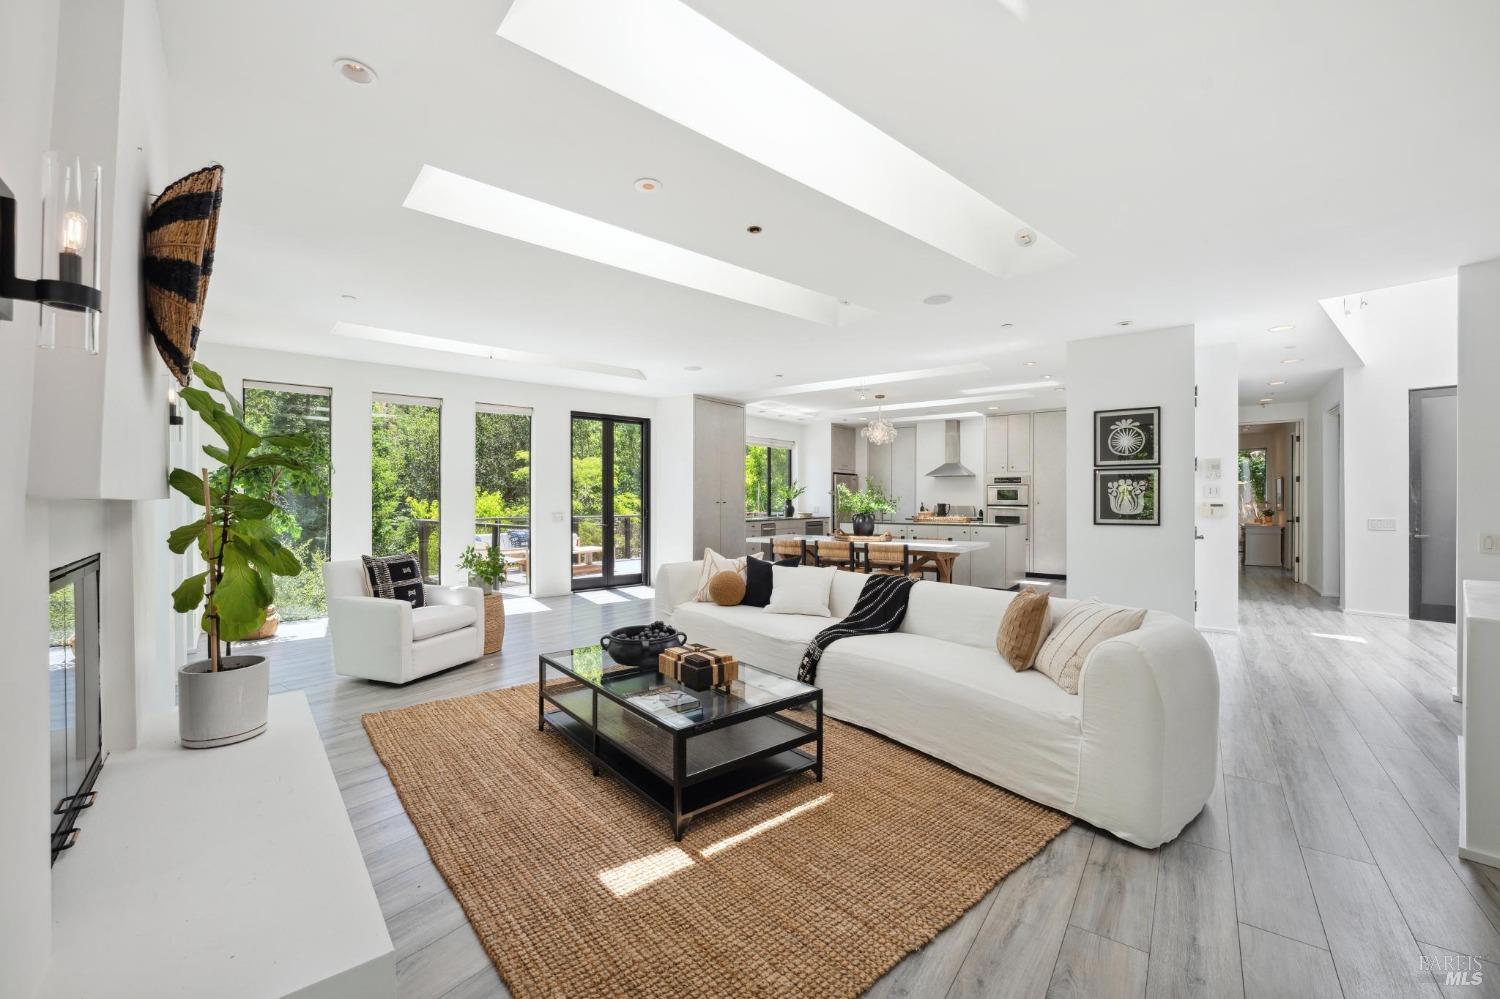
{"x": 1434, "y": 503}
{"x": 1049, "y": 519}
{"x": 611, "y": 500}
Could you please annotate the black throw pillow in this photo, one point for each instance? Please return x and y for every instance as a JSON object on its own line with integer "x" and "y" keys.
{"x": 758, "y": 580}
{"x": 395, "y": 577}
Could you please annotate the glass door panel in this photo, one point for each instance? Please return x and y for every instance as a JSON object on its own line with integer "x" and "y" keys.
{"x": 1434, "y": 506}
{"x": 611, "y": 492}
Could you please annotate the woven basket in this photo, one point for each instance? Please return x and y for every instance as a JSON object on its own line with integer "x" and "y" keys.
{"x": 842, "y": 536}
{"x": 494, "y": 623}
{"x": 181, "y": 228}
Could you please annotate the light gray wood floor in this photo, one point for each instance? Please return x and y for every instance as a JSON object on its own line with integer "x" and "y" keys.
{"x": 1324, "y": 864}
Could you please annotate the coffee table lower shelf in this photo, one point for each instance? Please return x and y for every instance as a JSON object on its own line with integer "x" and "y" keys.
{"x": 747, "y": 778}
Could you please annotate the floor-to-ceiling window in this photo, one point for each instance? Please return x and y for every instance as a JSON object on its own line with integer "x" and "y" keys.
{"x": 406, "y": 479}
{"x": 768, "y": 471}
{"x": 502, "y": 488}
{"x": 303, "y": 498}
{"x": 611, "y": 489}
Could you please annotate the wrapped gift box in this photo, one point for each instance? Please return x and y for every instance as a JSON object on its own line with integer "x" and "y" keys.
{"x": 691, "y": 664}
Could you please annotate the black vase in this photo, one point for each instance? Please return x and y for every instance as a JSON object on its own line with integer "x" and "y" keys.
{"x": 790, "y": 510}
{"x": 864, "y": 524}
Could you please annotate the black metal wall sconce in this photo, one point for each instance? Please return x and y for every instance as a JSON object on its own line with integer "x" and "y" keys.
{"x": 69, "y": 283}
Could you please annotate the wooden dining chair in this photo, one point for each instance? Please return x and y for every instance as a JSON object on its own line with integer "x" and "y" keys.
{"x": 839, "y": 554}
{"x": 924, "y": 565}
{"x": 787, "y": 548}
{"x": 888, "y": 560}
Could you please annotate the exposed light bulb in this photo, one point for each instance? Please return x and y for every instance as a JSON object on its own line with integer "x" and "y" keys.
{"x": 75, "y": 232}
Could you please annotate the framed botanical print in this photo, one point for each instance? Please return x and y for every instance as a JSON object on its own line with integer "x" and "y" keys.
{"x": 1127, "y": 437}
{"x": 1127, "y": 497}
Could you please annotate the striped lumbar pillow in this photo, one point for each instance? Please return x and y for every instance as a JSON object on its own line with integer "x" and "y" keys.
{"x": 1023, "y": 627}
{"x": 1063, "y": 653}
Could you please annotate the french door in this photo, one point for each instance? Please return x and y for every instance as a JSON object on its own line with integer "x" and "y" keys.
{"x": 611, "y": 500}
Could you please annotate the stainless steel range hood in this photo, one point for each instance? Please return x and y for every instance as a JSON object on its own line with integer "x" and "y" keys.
{"x": 951, "y": 468}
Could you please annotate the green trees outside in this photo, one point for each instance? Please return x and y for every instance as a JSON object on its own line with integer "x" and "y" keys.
{"x": 302, "y": 496}
{"x": 768, "y": 470}
{"x": 405, "y": 478}
{"x": 1253, "y": 475}
{"x": 588, "y": 482}
{"x": 502, "y": 465}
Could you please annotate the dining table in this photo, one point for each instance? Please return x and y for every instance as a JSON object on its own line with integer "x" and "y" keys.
{"x": 937, "y": 554}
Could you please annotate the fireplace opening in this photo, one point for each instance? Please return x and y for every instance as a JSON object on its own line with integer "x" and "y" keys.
{"x": 73, "y": 695}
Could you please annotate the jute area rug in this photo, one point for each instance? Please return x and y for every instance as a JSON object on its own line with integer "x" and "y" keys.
{"x": 576, "y": 888}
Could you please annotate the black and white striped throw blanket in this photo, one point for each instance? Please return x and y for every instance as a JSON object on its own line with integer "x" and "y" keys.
{"x": 881, "y": 607}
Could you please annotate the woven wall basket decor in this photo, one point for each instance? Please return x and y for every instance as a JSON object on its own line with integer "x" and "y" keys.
{"x": 179, "y": 259}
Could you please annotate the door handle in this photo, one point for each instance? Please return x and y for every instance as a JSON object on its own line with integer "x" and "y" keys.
{"x": 1419, "y": 537}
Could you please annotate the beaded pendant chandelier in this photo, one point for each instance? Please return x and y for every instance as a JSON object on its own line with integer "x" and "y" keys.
{"x": 880, "y": 431}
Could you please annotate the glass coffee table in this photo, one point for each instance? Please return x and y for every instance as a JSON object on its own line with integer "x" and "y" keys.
{"x": 686, "y": 751}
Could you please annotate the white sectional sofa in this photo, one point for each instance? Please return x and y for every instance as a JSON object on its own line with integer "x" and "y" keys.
{"x": 1135, "y": 752}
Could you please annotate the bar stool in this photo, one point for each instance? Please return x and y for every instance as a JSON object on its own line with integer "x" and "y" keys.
{"x": 839, "y": 554}
{"x": 889, "y": 560}
{"x": 787, "y": 548}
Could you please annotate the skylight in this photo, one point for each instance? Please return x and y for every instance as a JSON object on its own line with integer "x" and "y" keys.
{"x": 401, "y": 338}
{"x": 668, "y": 58}
{"x": 930, "y": 403}
{"x": 884, "y": 378}
{"x": 474, "y": 203}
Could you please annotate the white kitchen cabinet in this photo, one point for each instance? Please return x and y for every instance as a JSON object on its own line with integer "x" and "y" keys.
{"x": 1007, "y": 445}
{"x": 718, "y": 477}
{"x": 1018, "y": 442}
{"x": 987, "y": 566}
{"x": 1049, "y": 493}
{"x": 843, "y": 449}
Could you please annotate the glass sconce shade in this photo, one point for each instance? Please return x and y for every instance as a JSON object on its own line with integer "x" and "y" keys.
{"x": 72, "y": 234}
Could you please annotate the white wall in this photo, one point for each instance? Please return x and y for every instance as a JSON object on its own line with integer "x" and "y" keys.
{"x": 353, "y": 384}
{"x": 1133, "y": 565}
{"x": 672, "y": 481}
{"x": 28, "y": 53}
{"x": 1408, "y": 338}
{"x": 1478, "y": 418}
{"x": 1215, "y": 426}
{"x": 1323, "y": 477}
{"x": 816, "y": 467}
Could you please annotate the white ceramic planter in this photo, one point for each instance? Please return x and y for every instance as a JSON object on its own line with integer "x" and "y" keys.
{"x": 219, "y": 709}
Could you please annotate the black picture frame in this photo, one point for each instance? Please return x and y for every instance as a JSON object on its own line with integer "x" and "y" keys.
{"x": 1127, "y": 438}
{"x": 1106, "y": 513}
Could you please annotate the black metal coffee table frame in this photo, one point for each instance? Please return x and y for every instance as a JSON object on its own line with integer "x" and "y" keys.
{"x": 712, "y": 762}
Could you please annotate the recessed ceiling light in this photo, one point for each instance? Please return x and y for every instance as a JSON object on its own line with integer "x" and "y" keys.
{"x": 1006, "y": 326}
{"x": 355, "y": 71}
{"x": 1025, "y": 237}
{"x": 1291, "y": 360}
{"x": 937, "y": 299}
{"x": 693, "y": 367}
{"x": 993, "y": 407}
{"x": 753, "y": 230}
{"x": 781, "y": 376}
{"x": 1028, "y": 364}
{"x": 1125, "y": 322}
{"x": 1289, "y": 346}
{"x": 648, "y": 185}
{"x": 1279, "y": 381}
{"x": 1281, "y": 327}
{"x": 1047, "y": 378}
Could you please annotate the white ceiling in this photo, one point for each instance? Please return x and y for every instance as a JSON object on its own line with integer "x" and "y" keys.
{"x": 1210, "y": 163}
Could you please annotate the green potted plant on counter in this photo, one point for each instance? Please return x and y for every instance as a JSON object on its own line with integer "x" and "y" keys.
{"x": 863, "y": 505}
{"x": 788, "y": 495}
{"x": 222, "y": 699}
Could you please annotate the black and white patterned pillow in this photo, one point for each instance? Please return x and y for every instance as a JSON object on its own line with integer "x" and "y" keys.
{"x": 395, "y": 577}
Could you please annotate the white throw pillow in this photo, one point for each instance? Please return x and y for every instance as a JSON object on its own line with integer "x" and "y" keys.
{"x": 713, "y": 564}
{"x": 1067, "y": 647}
{"x": 800, "y": 589}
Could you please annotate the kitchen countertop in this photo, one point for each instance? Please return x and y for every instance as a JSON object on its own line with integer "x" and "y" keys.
{"x": 958, "y": 547}
{"x": 800, "y": 516}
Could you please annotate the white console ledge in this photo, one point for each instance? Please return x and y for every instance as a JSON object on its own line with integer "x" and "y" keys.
{"x": 1479, "y": 746}
{"x": 229, "y": 872}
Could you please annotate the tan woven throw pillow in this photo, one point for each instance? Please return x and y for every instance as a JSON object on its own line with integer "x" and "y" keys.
{"x": 1023, "y": 627}
{"x": 1072, "y": 639}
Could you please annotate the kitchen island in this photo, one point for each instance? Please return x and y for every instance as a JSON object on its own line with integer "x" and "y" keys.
{"x": 1000, "y": 565}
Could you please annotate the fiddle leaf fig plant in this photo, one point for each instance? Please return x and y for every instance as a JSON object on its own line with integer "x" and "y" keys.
{"x": 235, "y": 535}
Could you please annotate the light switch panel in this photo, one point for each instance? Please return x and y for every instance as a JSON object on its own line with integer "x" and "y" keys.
{"x": 1489, "y": 544}
{"x": 1213, "y": 492}
{"x": 1380, "y": 524}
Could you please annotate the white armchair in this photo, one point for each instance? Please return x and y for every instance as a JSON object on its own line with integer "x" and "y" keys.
{"x": 392, "y": 641}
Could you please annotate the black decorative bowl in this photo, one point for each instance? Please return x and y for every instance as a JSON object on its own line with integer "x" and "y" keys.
{"x": 633, "y": 647}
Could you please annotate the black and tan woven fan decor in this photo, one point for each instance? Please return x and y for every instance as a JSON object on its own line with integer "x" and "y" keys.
{"x": 179, "y": 259}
